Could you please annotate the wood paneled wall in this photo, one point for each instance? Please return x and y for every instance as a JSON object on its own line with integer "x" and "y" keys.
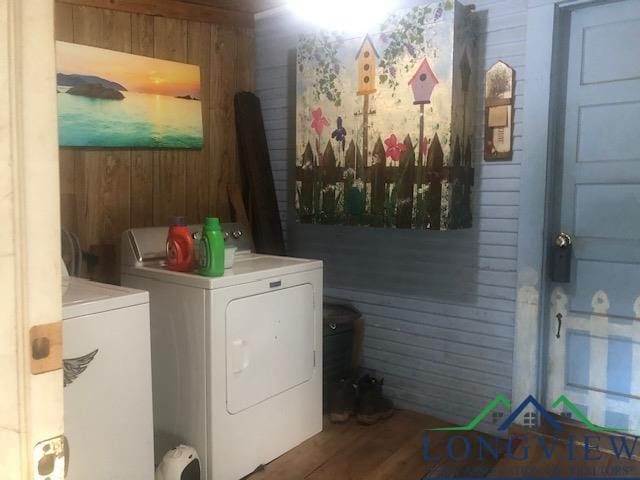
{"x": 106, "y": 191}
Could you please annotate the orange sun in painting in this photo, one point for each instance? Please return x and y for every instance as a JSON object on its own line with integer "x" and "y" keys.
{"x": 134, "y": 72}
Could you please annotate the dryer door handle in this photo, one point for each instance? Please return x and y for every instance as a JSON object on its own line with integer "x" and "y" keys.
{"x": 239, "y": 355}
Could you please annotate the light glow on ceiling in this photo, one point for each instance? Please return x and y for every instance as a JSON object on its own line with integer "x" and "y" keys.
{"x": 348, "y": 16}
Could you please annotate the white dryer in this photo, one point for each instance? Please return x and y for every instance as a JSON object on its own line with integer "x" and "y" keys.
{"x": 108, "y": 417}
{"x": 237, "y": 360}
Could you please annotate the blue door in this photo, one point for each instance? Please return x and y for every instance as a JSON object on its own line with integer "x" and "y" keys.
{"x": 593, "y": 343}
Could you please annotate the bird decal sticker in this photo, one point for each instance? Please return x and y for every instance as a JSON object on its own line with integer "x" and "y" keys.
{"x": 73, "y": 367}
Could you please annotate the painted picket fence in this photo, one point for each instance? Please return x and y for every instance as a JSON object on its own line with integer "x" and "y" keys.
{"x": 403, "y": 194}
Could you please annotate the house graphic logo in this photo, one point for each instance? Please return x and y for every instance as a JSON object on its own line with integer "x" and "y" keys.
{"x": 530, "y": 401}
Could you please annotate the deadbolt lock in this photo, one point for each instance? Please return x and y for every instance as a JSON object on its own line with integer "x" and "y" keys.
{"x": 561, "y": 254}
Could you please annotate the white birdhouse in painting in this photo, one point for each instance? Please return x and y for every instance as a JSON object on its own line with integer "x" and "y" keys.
{"x": 422, "y": 83}
{"x": 367, "y": 58}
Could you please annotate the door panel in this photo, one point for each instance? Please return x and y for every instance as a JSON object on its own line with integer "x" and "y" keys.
{"x": 595, "y": 361}
{"x": 603, "y": 55}
{"x": 611, "y": 145}
{"x": 270, "y": 345}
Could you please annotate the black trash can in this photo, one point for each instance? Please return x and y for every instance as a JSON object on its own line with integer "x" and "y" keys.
{"x": 340, "y": 332}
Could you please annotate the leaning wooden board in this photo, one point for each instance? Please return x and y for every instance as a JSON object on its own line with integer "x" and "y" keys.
{"x": 255, "y": 167}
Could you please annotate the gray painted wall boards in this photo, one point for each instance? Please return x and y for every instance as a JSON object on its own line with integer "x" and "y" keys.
{"x": 439, "y": 306}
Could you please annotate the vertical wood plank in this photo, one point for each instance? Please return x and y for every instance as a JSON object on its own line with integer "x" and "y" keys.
{"x": 68, "y": 213}
{"x": 246, "y": 54}
{"x": 169, "y": 184}
{"x": 102, "y": 176}
{"x": 142, "y": 33}
{"x": 306, "y": 187}
{"x": 435, "y": 161}
{"x": 222, "y": 119}
{"x": 197, "y": 167}
{"x": 64, "y": 22}
{"x": 378, "y": 184}
{"x": 406, "y": 181}
{"x": 329, "y": 178}
{"x": 245, "y": 81}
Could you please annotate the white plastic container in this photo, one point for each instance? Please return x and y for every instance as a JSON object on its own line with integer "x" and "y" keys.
{"x": 229, "y": 256}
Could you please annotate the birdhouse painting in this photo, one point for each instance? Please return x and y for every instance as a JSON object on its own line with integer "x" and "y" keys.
{"x": 384, "y": 122}
{"x": 422, "y": 83}
{"x": 367, "y": 59}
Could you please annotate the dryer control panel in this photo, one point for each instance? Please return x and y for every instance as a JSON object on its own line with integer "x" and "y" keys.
{"x": 142, "y": 245}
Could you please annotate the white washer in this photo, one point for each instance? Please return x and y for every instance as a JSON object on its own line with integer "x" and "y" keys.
{"x": 237, "y": 360}
{"x": 108, "y": 417}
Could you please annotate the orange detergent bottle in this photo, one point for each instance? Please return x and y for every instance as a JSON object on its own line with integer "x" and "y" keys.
{"x": 180, "y": 246}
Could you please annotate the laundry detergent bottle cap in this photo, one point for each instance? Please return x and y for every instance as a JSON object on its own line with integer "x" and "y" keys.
{"x": 180, "y": 247}
{"x": 212, "y": 223}
{"x": 212, "y": 248}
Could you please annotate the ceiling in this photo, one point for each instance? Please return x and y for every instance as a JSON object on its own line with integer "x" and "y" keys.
{"x": 250, "y": 6}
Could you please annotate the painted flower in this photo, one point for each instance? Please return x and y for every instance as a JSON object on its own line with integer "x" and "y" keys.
{"x": 348, "y": 173}
{"x": 384, "y": 37}
{"x": 318, "y": 121}
{"x": 437, "y": 14}
{"x": 394, "y": 149}
{"x": 336, "y": 68}
{"x": 392, "y": 71}
{"x": 340, "y": 133}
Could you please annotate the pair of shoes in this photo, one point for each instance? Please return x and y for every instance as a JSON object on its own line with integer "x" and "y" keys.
{"x": 362, "y": 398}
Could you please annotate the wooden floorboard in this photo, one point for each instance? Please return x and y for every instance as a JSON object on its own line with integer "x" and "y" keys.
{"x": 393, "y": 450}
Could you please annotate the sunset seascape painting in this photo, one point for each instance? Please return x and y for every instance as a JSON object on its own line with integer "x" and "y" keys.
{"x": 114, "y": 99}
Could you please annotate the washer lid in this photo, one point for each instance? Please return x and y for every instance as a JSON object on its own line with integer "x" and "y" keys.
{"x": 84, "y": 297}
{"x": 248, "y": 267}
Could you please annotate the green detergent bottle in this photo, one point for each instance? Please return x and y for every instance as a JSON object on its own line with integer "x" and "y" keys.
{"x": 212, "y": 249}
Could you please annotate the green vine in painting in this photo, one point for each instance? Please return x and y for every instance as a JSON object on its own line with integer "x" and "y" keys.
{"x": 320, "y": 52}
{"x": 405, "y": 36}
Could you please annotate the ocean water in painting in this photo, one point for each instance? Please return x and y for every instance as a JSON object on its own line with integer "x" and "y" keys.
{"x": 140, "y": 120}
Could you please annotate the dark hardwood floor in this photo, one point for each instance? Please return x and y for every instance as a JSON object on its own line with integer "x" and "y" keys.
{"x": 393, "y": 450}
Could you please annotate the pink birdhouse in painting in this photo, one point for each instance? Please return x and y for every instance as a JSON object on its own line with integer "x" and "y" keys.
{"x": 422, "y": 83}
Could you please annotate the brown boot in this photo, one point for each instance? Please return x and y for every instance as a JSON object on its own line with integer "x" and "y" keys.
{"x": 343, "y": 400}
{"x": 372, "y": 404}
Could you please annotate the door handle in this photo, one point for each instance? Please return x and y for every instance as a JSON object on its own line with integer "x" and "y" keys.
{"x": 559, "y": 317}
{"x": 563, "y": 240}
{"x": 239, "y": 355}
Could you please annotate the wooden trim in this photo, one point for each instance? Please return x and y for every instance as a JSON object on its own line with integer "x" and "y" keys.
{"x": 527, "y": 358}
{"x": 30, "y": 263}
{"x": 173, "y": 9}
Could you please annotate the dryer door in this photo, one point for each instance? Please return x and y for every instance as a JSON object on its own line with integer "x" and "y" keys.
{"x": 270, "y": 345}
